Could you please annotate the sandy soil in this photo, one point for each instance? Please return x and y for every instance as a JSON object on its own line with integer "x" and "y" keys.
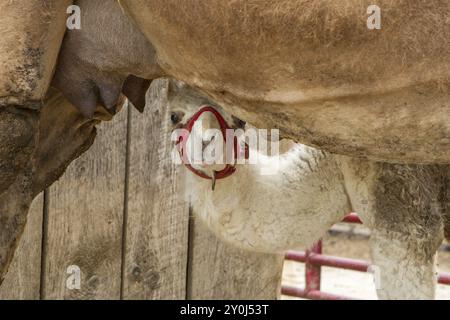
{"x": 350, "y": 283}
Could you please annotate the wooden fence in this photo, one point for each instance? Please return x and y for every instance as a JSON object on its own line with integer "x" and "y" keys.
{"x": 119, "y": 214}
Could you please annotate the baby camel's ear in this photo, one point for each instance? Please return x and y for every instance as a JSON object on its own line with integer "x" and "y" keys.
{"x": 174, "y": 87}
{"x": 135, "y": 88}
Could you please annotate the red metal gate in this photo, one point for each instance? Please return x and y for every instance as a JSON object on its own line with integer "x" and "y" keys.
{"x": 314, "y": 260}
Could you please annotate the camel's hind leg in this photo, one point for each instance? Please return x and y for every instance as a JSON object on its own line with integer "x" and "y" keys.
{"x": 32, "y": 32}
{"x": 401, "y": 204}
{"x": 18, "y": 141}
{"x": 34, "y": 152}
{"x": 14, "y": 205}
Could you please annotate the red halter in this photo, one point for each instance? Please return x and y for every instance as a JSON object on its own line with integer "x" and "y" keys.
{"x": 229, "y": 169}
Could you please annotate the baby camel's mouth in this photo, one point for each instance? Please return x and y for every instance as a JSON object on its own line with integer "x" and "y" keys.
{"x": 238, "y": 123}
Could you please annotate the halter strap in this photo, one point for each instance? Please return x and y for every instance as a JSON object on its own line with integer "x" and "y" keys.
{"x": 229, "y": 169}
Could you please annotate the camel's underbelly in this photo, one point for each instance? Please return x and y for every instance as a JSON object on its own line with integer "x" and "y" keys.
{"x": 406, "y": 126}
{"x": 314, "y": 70}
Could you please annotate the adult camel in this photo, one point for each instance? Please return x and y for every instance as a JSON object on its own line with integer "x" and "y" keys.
{"x": 310, "y": 68}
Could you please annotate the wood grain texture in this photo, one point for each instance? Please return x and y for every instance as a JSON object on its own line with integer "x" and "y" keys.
{"x": 85, "y": 219}
{"x": 23, "y": 278}
{"x": 157, "y": 219}
{"x": 120, "y": 214}
{"x": 220, "y": 271}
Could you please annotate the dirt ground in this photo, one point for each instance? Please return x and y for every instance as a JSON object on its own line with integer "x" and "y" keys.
{"x": 352, "y": 244}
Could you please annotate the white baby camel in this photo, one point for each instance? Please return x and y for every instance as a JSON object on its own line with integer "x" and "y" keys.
{"x": 314, "y": 190}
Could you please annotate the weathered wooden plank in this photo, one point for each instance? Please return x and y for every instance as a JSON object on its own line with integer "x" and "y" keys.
{"x": 157, "y": 217}
{"x": 23, "y": 278}
{"x": 85, "y": 219}
{"x": 220, "y": 271}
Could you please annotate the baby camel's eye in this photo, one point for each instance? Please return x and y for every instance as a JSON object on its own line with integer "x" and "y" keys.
{"x": 175, "y": 118}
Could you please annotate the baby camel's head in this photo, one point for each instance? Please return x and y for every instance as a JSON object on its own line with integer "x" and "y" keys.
{"x": 185, "y": 103}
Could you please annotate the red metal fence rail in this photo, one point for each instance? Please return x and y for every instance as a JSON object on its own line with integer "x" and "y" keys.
{"x": 314, "y": 260}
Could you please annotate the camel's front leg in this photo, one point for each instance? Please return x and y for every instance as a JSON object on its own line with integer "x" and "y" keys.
{"x": 400, "y": 203}
{"x": 403, "y": 267}
{"x": 407, "y": 230}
